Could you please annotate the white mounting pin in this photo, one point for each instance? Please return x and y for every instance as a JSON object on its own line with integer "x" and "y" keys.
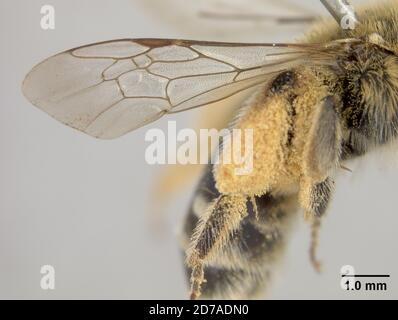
{"x": 342, "y": 12}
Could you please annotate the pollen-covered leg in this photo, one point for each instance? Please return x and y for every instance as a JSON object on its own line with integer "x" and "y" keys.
{"x": 212, "y": 233}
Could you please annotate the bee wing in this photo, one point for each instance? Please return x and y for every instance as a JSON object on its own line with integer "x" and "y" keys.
{"x": 108, "y": 89}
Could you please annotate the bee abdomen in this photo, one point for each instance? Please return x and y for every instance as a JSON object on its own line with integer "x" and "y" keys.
{"x": 244, "y": 267}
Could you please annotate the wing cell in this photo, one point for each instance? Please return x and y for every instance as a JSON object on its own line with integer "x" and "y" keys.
{"x": 112, "y": 49}
{"x": 125, "y": 116}
{"x": 199, "y": 66}
{"x": 118, "y": 68}
{"x": 140, "y": 83}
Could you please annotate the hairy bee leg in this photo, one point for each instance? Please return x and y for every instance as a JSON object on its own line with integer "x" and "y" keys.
{"x": 318, "y": 196}
{"x": 211, "y": 234}
{"x": 315, "y": 227}
{"x": 197, "y": 278}
{"x": 321, "y": 158}
{"x": 254, "y": 204}
{"x": 323, "y": 149}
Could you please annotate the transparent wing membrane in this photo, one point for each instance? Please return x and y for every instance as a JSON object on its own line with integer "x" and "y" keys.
{"x": 108, "y": 89}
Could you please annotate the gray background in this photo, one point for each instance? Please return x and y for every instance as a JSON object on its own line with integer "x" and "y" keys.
{"x": 81, "y": 204}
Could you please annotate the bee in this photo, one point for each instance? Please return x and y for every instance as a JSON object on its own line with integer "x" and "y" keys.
{"x": 315, "y": 105}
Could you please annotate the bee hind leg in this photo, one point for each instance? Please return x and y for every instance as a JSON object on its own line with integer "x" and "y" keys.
{"x": 321, "y": 159}
{"x": 212, "y": 233}
{"x": 315, "y": 262}
{"x": 314, "y": 198}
